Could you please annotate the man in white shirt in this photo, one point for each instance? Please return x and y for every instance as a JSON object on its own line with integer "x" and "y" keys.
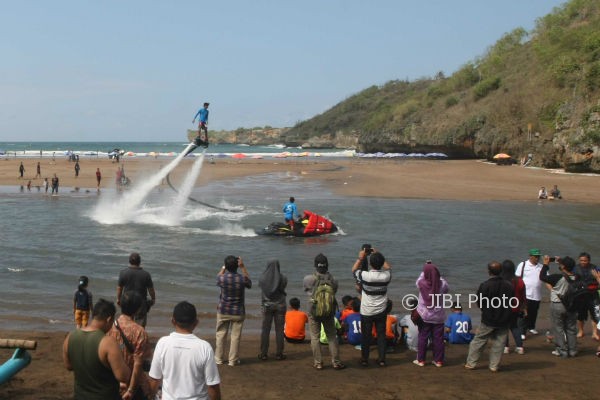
{"x": 529, "y": 270}
{"x": 183, "y": 362}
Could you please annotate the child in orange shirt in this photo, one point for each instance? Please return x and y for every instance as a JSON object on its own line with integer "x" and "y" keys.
{"x": 295, "y": 322}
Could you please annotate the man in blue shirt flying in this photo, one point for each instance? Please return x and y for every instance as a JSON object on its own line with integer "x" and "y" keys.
{"x": 202, "y": 116}
{"x": 289, "y": 210}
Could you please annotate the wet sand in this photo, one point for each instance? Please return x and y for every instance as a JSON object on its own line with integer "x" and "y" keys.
{"x": 535, "y": 375}
{"x": 469, "y": 180}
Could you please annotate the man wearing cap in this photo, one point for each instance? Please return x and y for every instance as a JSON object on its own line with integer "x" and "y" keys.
{"x": 529, "y": 271}
{"x": 202, "y": 116}
{"x": 310, "y": 282}
{"x": 184, "y": 363}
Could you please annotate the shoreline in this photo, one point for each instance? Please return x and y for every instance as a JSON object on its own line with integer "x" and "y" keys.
{"x": 467, "y": 180}
{"x": 520, "y": 375}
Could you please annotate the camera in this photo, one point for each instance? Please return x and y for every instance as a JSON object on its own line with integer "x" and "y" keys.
{"x": 368, "y": 249}
{"x": 552, "y": 259}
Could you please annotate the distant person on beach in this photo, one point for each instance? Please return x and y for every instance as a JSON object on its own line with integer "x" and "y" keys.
{"x": 45, "y": 185}
{"x": 133, "y": 341}
{"x": 431, "y": 286}
{"x": 322, "y": 285}
{"x": 98, "y": 178}
{"x": 555, "y": 193}
{"x": 77, "y": 168}
{"x": 529, "y": 271}
{"x": 55, "y": 184}
{"x": 183, "y": 364}
{"x": 202, "y": 116}
{"x": 295, "y": 322}
{"x": 542, "y": 194}
{"x": 21, "y": 170}
{"x": 289, "y": 211}
{"x": 95, "y": 358}
{"x": 518, "y": 310}
{"x": 82, "y": 303}
{"x": 373, "y": 304}
{"x": 562, "y": 316}
{"x": 496, "y": 314}
{"x": 38, "y": 170}
{"x": 272, "y": 284}
{"x": 29, "y": 185}
{"x": 139, "y": 280}
{"x": 231, "y": 310}
{"x": 585, "y": 269}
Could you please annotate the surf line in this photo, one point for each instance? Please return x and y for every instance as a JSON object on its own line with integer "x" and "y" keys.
{"x": 201, "y": 202}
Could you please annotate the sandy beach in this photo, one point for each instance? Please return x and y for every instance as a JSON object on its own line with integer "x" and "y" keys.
{"x": 520, "y": 376}
{"x": 425, "y": 179}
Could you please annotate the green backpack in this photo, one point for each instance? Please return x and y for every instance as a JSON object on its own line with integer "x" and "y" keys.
{"x": 323, "y": 297}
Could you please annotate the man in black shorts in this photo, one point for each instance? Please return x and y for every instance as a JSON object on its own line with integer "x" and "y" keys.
{"x": 136, "y": 279}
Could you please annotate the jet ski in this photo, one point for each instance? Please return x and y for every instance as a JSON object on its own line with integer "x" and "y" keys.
{"x": 310, "y": 224}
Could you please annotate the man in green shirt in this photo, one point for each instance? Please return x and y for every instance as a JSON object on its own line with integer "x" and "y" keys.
{"x": 95, "y": 358}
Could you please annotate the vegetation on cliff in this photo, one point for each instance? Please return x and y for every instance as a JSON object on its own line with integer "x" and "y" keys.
{"x": 531, "y": 93}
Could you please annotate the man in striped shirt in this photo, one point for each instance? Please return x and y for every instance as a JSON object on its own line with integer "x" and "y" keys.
{"x": 374, "y": 302}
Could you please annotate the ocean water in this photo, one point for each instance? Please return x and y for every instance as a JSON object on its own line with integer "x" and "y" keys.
{"x": 149, "y": 149}
{"x": 47, "y": 242}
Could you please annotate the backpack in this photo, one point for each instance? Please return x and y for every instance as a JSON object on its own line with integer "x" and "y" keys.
{"x": 576, "y": 294}
{"x": 323, "y": 297}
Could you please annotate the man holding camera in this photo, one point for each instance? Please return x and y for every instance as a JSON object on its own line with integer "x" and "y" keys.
{"x": 374, "y": 301}
{"x": 563, "y": 318}
{"x": 231, "y": 311}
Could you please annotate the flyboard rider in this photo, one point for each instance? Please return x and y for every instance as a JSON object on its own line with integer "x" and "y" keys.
{"x": 202, "y": 115}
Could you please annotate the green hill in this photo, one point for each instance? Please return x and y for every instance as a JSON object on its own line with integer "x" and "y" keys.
{"x": 531, "y": 93}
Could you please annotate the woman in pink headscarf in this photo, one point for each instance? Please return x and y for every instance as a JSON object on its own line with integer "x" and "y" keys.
{"x": 431, "y": 288}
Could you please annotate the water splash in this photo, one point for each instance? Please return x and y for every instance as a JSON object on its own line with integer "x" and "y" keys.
{"x": 126, "y": 207}
{"x": 175, "y": 213}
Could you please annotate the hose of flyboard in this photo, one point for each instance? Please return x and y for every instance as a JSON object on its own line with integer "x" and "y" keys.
{"x": 201, "y": 202}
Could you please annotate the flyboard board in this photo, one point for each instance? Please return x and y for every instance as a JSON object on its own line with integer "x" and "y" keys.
{"x": 194, "y": 138}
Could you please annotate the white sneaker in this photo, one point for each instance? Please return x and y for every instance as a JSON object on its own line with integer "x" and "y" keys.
{"x": 506, "y": 350}
{"x": 556, "y": 353}
{"x": 533, "y": 332}
{"x": 523, "y": 337}
{"x": 520, "y": 350}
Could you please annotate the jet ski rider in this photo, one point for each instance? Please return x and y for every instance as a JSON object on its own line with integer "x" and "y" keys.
{"x": 289, "y": 210}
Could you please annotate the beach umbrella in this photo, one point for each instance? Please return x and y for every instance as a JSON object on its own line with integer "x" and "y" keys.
{"x": 238, "y": 155}
{"x": 257, "y": 157}
{"x": 500, "y": 156}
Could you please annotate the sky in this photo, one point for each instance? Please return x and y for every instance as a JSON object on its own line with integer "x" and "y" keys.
{"x": 86, "y": 70}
